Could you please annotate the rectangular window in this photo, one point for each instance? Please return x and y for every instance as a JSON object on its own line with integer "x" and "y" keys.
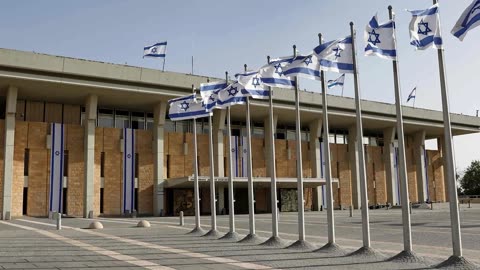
{"x": 258, "y": 132}
{"x": 65, "y": 163}
{"x": 26, "y": 161}
{"x": 137, "y": 167}
{"x": 169, "y": 126}
{"x": 105, "y": 118}
{"x": 138, "y": 120}
{"x": 150, "y": 121}
{"x": 291, "y": 135}
{"x": 122, "y": 119}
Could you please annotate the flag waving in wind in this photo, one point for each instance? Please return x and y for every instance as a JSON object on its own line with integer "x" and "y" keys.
{"x": 156, "y": 50}
{"x": 338, "y": 82}
{"x": 470, "y": 19}
{"x": 306, "y": 66}
{"x": 425, "y": 28}
{"x": 186, "y": 107}
{"x": 380, "y": 39}
{"x": 252, "y": 82}
{"x": 209, "y": 93}
{"x": 233, "y": 94}
{"x": 272, "y": 73}
{"x": 336, "y": 56}
{"x": 412, "y": 94}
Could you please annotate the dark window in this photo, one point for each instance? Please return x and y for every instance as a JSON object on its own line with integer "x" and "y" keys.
{"x": 65, "y": 163}
{"x": 136, "y": 165}
{"x": 101, "y": 200}
{"x": 102, "y": 164}
{"x": 26, "y": 161}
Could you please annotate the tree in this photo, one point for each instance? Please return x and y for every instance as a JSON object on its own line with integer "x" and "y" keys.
{"x": 470, "y": 181}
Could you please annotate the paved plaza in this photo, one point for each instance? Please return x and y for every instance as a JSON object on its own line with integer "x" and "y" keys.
{"x": 34, "y": 243}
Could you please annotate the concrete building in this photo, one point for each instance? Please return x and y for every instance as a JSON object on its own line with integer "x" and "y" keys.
{"x": 95, "y": 101}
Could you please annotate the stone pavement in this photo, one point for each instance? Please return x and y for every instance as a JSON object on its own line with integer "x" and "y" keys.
{"x": 31, "y": 243}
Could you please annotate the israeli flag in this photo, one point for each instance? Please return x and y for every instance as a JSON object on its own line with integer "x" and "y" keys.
{"x": 209, "y": 93}
{"x": 337, "y": 82}
{"x": 305, "y": 66}
{"x": 235, "y": 158}
{"x": 425, "y": 28}
{"x": 233, "y": 94}
{"x": 57, "y": 135}
{"x": 272, "y": 73}
{"x": 336, "y": 55}
{"x": 380, "y": 39}
{"x": 252, "y": 82}
{"x": 186, "y": 107}
{"x": 156, "y": 50}
{"x": 128, "y": 201}
{"x": 412, "y": 94}
{"x": 470, "y": 19}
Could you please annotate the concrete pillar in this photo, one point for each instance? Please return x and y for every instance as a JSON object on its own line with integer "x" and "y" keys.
{"x": 419, "y": 155}
{"x": 440, "y": 147}
{"x": 354, "y": 165}
{"x": 221, "y": 199}
{"x": 315, "y": 134}
{"x": 389, "y": 157}
{"x": 158, "y": 158}
{"x": 218, "y": 146}
{"x": 89, "y": 153}
{"x": 10, "y": 110}
{"x": 268, "y": 135}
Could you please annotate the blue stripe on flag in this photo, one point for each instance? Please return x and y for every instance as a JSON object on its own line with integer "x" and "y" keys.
{"x": 212, "y": 87}
{"x": 189, "y": 114}
{"x": 339, "y": 66}
{"x": 391, "y": 53}
{"x": 278, "y": 81}
{"x": 158, "y": 44}
{"x": 302, "y": 70}
{"x": 424, "y": 42}
{"x": 155, "y": 55}
{"x": 182, "y": 98}
{"x": 425, "y": 12}
{"x": 51, "y": 165}
{"x": 466, "y": 26}
{"x": 60, "y": 194}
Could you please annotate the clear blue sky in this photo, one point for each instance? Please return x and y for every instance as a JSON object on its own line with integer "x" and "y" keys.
{"x": 223, "y": 35}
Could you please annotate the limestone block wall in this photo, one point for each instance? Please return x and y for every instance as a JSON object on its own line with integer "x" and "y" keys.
{"x": 436, "y": 184}
{"x": 341, "y": 170}
{"x": 258, "y": 157}
{"x": 145, "y": 171}
{"x": 74, "y": 144}
{"x": 112, "y": 171}
{"x": 21, "y": 132}
{"x": 411, "y": 173}
{"x": 376, "y": 177}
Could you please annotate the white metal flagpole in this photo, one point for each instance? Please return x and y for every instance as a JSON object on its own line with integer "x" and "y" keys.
{"x": 251, "y": 237}
{"x": 232, "y": 234}
{"x": 300, "y": 243}
{"x": 274, "y": 240}
{"x": 198, "y": 228}
{"x": 328, "y": 174}
{"x": 457, "y": 257}
{"x": 213, "y": 231}
{"x": 407, "y": 229}
{"x": 361, "y": 153}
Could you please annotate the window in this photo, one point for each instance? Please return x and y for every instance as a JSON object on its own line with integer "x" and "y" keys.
{"x": 138, "y": 120}
{"x": 169, "y": 126}
{"x": 65, "y": 163}
{"x": 291, "y": 135}
{"x": 102, "y": 164}
{"x": 258, "y": 132}
{"x": 26, "y": 160}
{"x": 105, "y": 118}
{"x": 150, "y": 121}
{"x": 122, "y": 119}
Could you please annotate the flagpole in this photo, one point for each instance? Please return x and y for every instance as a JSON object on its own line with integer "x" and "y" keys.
{"x": 407, "y": 229}
{"x": 328, "y": 174}
{"x": 232, "y": 234}
{"x": 361, "y": 152}
{"x": 275, "y": 239}
{"x": 163, "y": 66}
{"x": 300, "y": 243}
{"x": 198, "y": 228}
{"x": 449, "y": 160}
{"x": 251, "y": 237}
{"x": 213, "y": 231}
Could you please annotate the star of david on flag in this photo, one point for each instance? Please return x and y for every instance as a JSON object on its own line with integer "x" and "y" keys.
{"x": 425, "y": 28}
{"x": 233, "y": 94}
{"x": 186, "y": 107}
{"x": 253, "y": 84}
{"x": 209, "y": 93}
{"x": 306, "y": 66}
{"x": 336, "y": 55}
{"x": 156, "y": 50}
{"x": 380, "y": 39}
{"x": 272, "y": 73}
{"x": 469, "y": 19}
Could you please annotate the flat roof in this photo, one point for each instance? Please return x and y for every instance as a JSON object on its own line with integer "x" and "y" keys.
{"x": 68, "y": 80}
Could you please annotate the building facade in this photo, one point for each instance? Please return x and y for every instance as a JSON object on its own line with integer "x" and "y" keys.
{"x": 96, "y": 101}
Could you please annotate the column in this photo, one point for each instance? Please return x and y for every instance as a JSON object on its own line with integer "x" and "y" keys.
{"x": 89, "y": 125}
{"x": 389, "y": 157}
{"x": 441, "y": 146}
{"x": 268, "y": 135}
{"x": 158, "y": 158}
{"x": 315, "y": 161}
{"x": 218, "y": 146}
{"x": 419, "y": 155}
{"x": 354, "y": 166}
{"x": 10, "y": 110}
